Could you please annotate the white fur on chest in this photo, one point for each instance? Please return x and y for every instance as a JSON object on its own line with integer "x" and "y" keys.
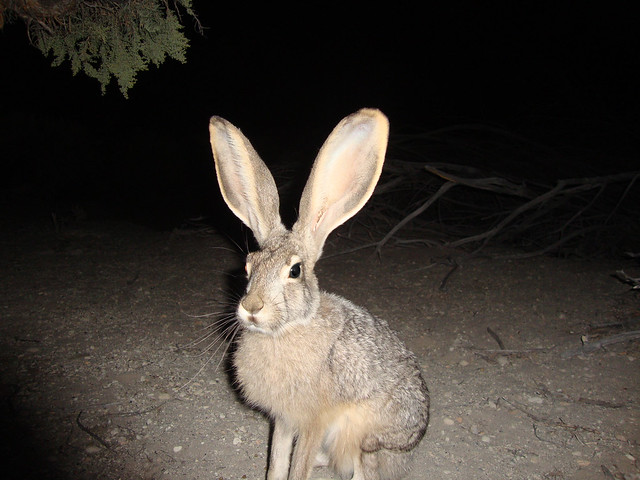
{"x": 284, "y": 375}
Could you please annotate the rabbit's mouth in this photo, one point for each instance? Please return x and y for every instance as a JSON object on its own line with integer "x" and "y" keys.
{"x": 255, "y": 321}
{"x": 265, "y": 323}
{"x": 258, "y": 329}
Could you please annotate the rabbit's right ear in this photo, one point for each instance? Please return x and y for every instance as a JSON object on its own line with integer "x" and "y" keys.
{"x": 343, "y": 176}
{"x": 245, "y": 181}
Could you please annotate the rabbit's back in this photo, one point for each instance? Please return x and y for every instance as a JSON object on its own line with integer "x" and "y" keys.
{"x": 370, "y": 364}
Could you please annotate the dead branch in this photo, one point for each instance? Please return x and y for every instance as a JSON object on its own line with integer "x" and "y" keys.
{"x": 486, "y": 236}
{"x": 546, "y": 421}
{"x": 493, "y": 184}
{"x": 454, "y": 267}
{"x": 540, "y": 217}
{"x": 492, "y": 354}
{"x": 623, "y": 277}
{"x": 443, "y": 189}
{"x": 495, "y": 336}
{"x": 96, "y": 437}
{"x": 592, "y": 346}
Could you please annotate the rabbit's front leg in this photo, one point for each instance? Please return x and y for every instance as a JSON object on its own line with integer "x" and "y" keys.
{"x": 281, "y": 444}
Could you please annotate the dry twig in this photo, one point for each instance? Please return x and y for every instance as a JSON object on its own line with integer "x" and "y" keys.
{"x": 541, "y": 217}
{"x": 96, "y": 437}
{"x": 593, "y": 346}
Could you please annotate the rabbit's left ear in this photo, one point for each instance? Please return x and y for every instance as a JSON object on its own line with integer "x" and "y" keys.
{"x": 344, "y": 175}
{"x": 245, "y": 181}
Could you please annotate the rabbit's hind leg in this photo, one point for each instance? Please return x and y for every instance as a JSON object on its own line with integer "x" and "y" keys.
{"x": 391, "y": 464}
{"x": 366, "y": 467}
{"x": 342, "y": 440}
{"x": 307, "y": 446}
{"x": 382, "y": 465}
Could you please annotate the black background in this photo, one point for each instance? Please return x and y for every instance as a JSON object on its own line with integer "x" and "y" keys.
{"x": 565, "y": 74}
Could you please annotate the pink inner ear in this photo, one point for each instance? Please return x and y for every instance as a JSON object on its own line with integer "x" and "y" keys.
{"x": 339, "y": 196}
{"x": 344, "y": 181}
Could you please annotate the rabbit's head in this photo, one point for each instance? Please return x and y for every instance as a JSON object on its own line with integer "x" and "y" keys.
{"x": 282, "y": 289}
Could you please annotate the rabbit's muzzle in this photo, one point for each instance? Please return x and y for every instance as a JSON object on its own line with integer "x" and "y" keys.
{"x": 252, "y": 304}
{"x": 252, "y": 312}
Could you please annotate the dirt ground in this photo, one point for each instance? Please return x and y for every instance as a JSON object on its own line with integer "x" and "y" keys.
{"x": 111, "y": 366}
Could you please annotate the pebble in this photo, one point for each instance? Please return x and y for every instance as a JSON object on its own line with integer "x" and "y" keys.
{"x": 237, "y": 440}
{"x": 503, "y": 361}
{"x": 448, "y": 421}
{"x": 177, "y": 448}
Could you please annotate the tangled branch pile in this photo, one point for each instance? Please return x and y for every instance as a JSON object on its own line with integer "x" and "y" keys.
{"x": 460, "y": 206}
{"x": 104, "y": 38}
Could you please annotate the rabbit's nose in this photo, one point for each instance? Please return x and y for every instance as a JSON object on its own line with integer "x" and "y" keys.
{"x": 252, "y": 304}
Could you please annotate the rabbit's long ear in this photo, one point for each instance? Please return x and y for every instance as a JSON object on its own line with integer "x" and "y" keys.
{"x": 245, "y": 181}
{"x": 344, "y": 175}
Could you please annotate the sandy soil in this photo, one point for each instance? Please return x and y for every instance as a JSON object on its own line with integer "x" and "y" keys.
{"x": 111, "y": 367}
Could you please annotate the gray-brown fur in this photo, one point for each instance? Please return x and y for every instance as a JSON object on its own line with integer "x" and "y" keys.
{"x": 335, "y": 380}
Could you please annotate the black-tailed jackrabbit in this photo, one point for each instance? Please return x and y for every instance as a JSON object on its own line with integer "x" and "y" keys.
{"x": 335, "y": 380}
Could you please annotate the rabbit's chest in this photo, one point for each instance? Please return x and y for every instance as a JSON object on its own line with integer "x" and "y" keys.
{"x": 286, "y": 377}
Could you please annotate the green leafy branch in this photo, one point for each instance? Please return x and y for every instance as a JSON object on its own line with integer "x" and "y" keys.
{"x": 107, "y": 38}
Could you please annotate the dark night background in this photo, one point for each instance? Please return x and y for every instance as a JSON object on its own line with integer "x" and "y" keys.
{"x": 562, "y": 73}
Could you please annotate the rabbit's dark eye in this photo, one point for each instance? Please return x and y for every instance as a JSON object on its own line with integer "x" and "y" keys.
{"x": 295, "y": 271}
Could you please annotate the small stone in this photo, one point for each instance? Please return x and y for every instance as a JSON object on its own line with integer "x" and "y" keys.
{"x": 177, "y": 448}
{"x": 448, "y": 421}
{"x": 486, "y": 439}
{"x": 503, "y": 361}
{"x": 237, "y": 440}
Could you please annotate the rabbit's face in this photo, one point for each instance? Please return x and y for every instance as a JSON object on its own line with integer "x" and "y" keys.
{"x": 282, "y": 289}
